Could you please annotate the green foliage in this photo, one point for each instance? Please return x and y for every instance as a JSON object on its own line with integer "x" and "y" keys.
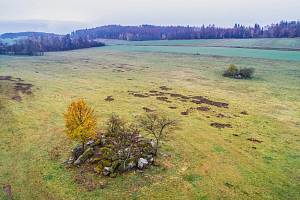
{"x": 231, "y": 71}
{"x": 246, "y": 73}
{"x": 115, "y": 125}
{"x": 243, "y": 73}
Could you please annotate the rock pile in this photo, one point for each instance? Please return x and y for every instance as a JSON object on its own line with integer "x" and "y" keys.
{"x": 110, "y": 155}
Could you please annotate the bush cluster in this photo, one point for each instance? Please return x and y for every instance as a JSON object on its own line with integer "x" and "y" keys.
{"x": 242, "y": 73}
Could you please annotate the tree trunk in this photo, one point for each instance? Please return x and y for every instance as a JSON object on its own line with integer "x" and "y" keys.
{"x": 82, "y": 146}
{"x": 156, "y": 148}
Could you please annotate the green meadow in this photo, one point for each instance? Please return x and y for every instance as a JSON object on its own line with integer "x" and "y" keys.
{"x": 257, "y": 158}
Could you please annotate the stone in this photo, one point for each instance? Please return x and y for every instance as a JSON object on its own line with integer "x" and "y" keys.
{"x": 95, "y": 160}
{"x": 90, "y": 143}
{"x": 77, "y": 151}
{"x": 70, "y": 160}
{"x": 151, "y": 160}
{"x": 153, "y": 144}
{"x": 142, "y": 163}
{"x": 86, "y": 155}
{"x": 106, "y": 171}
{"x": 131, "y": 165}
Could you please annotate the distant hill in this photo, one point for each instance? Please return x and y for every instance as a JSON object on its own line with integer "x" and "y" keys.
{"x": 282, "y": 29}
{"x": 25, "y": 34}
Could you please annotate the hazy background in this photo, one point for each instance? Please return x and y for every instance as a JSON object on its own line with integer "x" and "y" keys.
{"x": 62, "y": 16}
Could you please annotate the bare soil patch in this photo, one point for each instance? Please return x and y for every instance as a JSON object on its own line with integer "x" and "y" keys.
{"x": 179, "y": 96}
{"x": 25, "y": 88}
{"x": 203, "y": 108}
{"x": 203, "y": 100}
{"x": 17, "y": 98}
{"x": 165, "y": 99}
{"x": 18, "y": 86}
{"x": 254, "y": 140}
{"x": 157, "y": 93}
{"x": 244, "y": 113}
{"x": 109, "y": 98}
{"x": 138, "y": 94}
{"x": 220, "y": 115}
{"x": 5, "y": 78}
{"x": 165, "y": 88}
{"x": 187, "y": 112}
{"x": 220, "y": 125}
{"x": 148, "y": 109}
{"x": 172, "y": 107}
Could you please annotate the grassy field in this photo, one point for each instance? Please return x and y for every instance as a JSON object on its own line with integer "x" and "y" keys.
{"x": 272, "y": 49}
{"x": 258, "y": 158}
{"x": 279, "y": 43}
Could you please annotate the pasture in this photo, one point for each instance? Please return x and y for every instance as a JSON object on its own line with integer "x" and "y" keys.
{"x": 254, "y": 156}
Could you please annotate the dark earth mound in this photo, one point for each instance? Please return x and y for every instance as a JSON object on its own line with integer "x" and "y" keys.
{"x": 148, "y": 109}
{"x": 220, "y": 125}
{"x": 254, "y": 140}
{"x": 203, "y": 100}
{"x": 109, "y": 98}
{"x": 203, "y": 108}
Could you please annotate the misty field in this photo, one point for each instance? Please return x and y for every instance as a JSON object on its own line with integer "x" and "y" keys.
{"x": 248, "y": 150}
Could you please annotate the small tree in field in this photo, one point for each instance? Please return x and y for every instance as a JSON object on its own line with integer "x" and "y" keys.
{"x": 158, "y": 126}
{"x": 231, "y": 71}
{"x": 80, "y": 122}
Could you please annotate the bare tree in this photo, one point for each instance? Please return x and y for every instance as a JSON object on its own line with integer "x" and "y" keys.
{"x": 158, "y": 126}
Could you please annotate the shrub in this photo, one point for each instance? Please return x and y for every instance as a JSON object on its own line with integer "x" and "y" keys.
{"x": 115, "y": 125}
{"x": 158, "y": 126}
{"x": 234, "y": 72}
{"x": 231, "y": 71}
{"x": 80, "y": 122}
{"x": 246, "y": 73}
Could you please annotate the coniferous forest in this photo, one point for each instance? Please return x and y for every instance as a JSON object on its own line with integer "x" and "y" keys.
{"x": 149, "y": 32}
{"x": 36, "y": 43}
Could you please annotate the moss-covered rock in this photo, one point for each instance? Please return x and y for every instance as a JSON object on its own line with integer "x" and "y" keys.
{"x": 95, "y": 159}
{"x": 88, "y": 153}
{"x": 106, "y": 163}
{"x": 119, "y": 153}
{"x": 115, "y": 165}
{"x": 106, "y": 152}
{"x": 98, "y": 169}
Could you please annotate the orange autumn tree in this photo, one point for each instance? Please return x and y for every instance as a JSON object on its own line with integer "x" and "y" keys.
{"x": 80, "y": 122}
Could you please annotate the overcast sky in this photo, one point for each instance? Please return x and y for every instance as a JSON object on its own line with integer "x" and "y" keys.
{"x": 159, "y": 12}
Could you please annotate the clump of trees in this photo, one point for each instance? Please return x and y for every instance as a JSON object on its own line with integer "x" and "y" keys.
{"x": 243, "y": 73}
{"x": 120, "y": 146}
{"x": 37, "y": 44}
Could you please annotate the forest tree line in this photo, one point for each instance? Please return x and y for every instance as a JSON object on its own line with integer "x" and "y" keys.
{"x": 283, "y": 29}
{"x": 37, "y": 44}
